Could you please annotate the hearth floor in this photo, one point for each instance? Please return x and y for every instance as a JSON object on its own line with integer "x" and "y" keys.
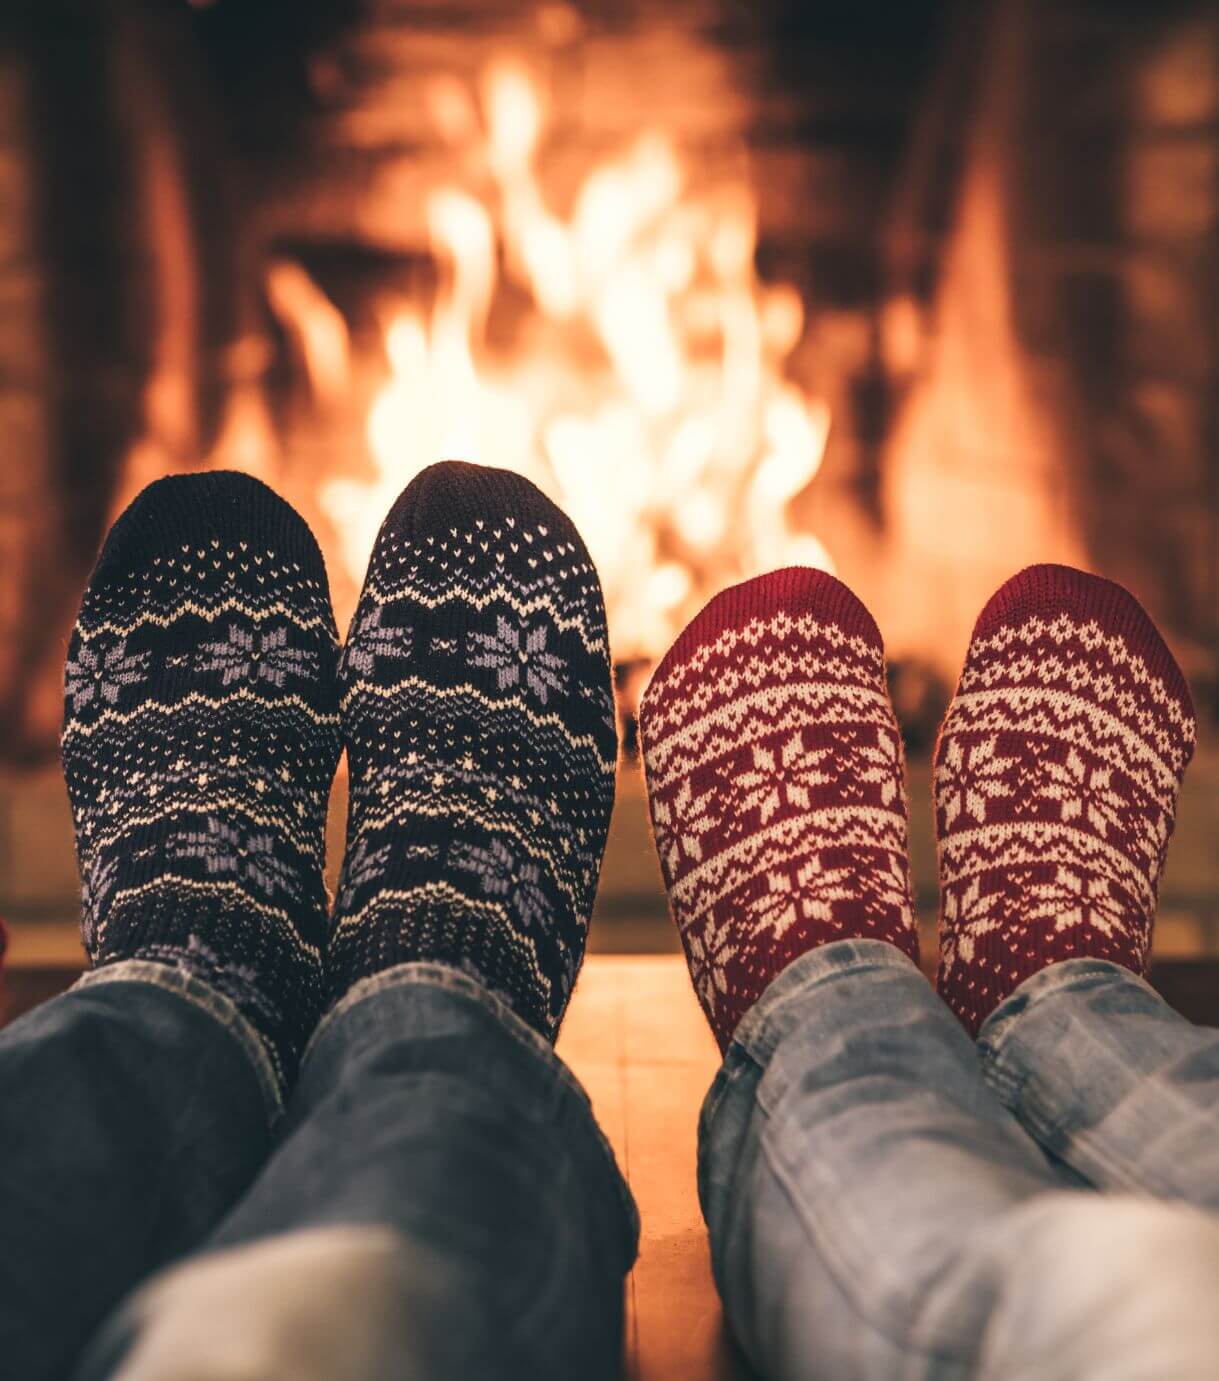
{"x": 635, "y": 1037}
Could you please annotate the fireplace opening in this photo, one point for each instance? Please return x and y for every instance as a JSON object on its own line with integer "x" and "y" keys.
{"x": 917, "y": 293}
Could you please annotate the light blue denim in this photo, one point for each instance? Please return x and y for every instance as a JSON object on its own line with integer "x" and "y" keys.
{"x": 1104, "y": 1075}
{"x": 875, "y": 1211}
{"x": 439, "y": 1203}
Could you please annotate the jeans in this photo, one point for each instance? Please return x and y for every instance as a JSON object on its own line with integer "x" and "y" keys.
{"x": 436, "y": 1200}
{"x": 886, "y": 1200}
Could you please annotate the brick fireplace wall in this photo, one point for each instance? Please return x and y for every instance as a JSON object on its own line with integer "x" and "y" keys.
{"x": 1003, "y": 216}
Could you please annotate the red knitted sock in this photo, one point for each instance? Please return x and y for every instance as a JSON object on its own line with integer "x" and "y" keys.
{"x": 1056, "y": 779}
{"x": 776, "y": 783}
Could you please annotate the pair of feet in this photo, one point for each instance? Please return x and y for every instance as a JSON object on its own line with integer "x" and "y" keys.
{"x": 776, "y": 783}
{"x": 207, "y": 701}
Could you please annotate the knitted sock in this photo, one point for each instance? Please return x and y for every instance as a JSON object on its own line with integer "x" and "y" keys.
{"x": 775, "y": 778}
{"x": 1056, "y": 779}
{"x": 478, "y": 709}
{"x": 200, "y": 736}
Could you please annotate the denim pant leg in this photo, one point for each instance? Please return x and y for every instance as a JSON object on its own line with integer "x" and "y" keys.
{"x": 875, "y": 1212}
{"x": 134, "y": 1111}
{"x": 1101, "y": 1072}
{"x": 441, "y": 1204}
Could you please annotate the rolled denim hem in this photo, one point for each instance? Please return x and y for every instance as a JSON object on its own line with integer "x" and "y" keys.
{"x": 793, "y": 1009}
{"x": 206, "y": 999}
{"x": 428, "y": 974}
{"x": 766, "y": 1023}
{"x": 770, "y": 1018}
{"x": 1001, "y": 1028}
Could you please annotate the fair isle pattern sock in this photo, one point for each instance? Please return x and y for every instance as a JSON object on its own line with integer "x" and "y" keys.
{"x": 775, "y": 779}
{"x": 478, "y": 710}
{"x": 200, "y": 736}
{"x": 1056, "y": 780}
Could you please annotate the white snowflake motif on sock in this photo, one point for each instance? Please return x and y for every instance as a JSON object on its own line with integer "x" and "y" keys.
{"x": 804, "y": 891}
{"x": 771, "y": 782}
{"x": 233, "y": 851}
{"x": 1152, "y": 842}
{"x": 1083, "y": 795}
{"x": 1071, "y": 901}
{"x": 103, "y": 674}
{"x": 968, "y": 915}
{"x": 362, "y": 865}
{"x": 372, "y": 639}
{"x": 100, "y": 875}
{"x": 502, "y": 874}
{"x": 520, "y": 655}
{"x": 889, "y": 888}
{"x": 965, "y": 782}
{"x": 256, "y": 655}
{"x": 884, "y": 766}
{"x": 680, "y": 824}
{"x": 709, "y": 953}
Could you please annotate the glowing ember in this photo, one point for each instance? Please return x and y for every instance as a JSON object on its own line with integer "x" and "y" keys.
{"x": 643, "y": 388}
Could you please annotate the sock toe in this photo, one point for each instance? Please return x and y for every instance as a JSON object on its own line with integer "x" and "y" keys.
{"x": 224, "y": 506}
{"x": 482, "y": 741}
{"x": 200, "y": 736}
{"x": 1056, "y": 777}
{"x": 1046, "y": 590}
{"x": 775, "y": 780}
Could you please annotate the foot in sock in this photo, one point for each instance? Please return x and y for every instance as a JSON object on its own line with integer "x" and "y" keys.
{"x": 200, "y": 736}
{"x": 478, "y": 711}
{"x": 775, "y": 779}
{"x": 1056, "y": 779}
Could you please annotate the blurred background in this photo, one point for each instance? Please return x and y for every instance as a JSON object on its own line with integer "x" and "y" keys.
{"x": 919, "y": 292}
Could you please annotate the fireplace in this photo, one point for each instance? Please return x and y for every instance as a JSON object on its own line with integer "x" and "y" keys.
{"x": 915, "y": 292}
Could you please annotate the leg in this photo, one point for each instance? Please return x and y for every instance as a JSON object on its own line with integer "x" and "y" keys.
{"x": 1056, "y": 779}
{"x": 1057, "y": 775}
{"x": 136, "y": 1109}
{"x": 442, "y": 1204}
{"x": 875, "y": 1212}
{"x": 433, "y": 1115}
{"x": 200, "y": 735}
{"x": 1107, "y": 1077}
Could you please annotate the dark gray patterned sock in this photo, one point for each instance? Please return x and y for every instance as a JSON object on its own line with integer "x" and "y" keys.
{"x": 478, "y": 711}
{"x": 200, "y": 737}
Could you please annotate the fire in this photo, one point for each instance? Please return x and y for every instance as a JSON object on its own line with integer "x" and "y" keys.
{"x": 643, "y": 383}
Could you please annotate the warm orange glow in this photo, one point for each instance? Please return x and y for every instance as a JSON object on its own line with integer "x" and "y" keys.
{"x": 643, "y": 386}
{"x": 316, "y": 326}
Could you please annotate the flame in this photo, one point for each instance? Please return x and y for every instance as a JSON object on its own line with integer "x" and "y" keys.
{"x": 316, "y": 327}
{"x": 642, "y": 384}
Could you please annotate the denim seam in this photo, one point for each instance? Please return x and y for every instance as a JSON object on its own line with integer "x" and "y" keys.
{"x": 1011, "y": 1088}
{"x": 213, "y": 1003}
{"x": 427, "y": 974}
{"x": 998, "y": 1049}
{"x": 738, "y": 1064}
{"x": 1044, "y": 986}
{"x": 763, "y": 1095}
